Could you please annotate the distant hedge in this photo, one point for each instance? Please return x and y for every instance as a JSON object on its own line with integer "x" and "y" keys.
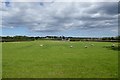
{"x": 60, "y": 38}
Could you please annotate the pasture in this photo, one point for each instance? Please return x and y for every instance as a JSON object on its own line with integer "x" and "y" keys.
{"x": 0, "y": 60}
{"x": 57, "y": 59}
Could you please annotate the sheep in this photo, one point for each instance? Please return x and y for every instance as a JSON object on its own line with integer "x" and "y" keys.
{"x": 86, "y": 46}
{"x": 41, "y": 45}
{"x": 71, "y": 46}
{"x": 113, "y": 45}
{"x": 92, "y": 44}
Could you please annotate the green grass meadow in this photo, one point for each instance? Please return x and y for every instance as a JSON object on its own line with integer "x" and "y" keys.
{"x": 55, "y": 59}
{"x": 0, "y": 60}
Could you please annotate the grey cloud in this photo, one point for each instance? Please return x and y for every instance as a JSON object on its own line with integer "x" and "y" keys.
{"x": 109, "y": 8}
{"x": 54, "y": 17}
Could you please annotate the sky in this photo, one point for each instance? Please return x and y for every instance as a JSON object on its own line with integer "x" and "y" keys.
{"x": 79, "y": 19}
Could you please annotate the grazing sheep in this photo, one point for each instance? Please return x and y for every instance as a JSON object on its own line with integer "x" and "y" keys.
{"x": 71, "y": 46}
{"x": 113, "y": 45}
{"x": 41, "y": 45}
{"x": 92, "y": 44}
{"x": 86, "y": 47}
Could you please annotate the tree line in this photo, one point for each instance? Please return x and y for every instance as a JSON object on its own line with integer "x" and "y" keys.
{"x": 61, "y": 38}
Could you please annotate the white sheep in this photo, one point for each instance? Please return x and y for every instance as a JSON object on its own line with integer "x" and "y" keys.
{"x": 41, "y": 45}
{"x": 113, "y": 45}
{"x": 92, "y": 44}
{"x": 86, "y": 46}
{"x": 71, "y": 46}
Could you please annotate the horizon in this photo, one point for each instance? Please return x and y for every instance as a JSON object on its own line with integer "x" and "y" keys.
{"x": 57, "y": 35}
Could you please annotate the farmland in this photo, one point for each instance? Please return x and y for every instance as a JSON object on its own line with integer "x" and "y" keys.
{"x": 56, "y": 59}
{"x": 0, "y": 60}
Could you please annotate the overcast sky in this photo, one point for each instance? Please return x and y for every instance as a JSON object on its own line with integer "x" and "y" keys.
{"x": 84, "y": 19}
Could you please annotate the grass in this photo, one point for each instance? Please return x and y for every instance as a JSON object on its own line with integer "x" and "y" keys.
{"x": 0, "y": 60}
{"x": 57, "y": 60}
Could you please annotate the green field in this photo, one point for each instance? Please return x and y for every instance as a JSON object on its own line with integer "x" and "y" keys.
{"x": 56, "y": 59}
{"x": 0, "y": 60}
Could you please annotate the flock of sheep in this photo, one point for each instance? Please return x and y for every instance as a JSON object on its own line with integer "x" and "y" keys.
{"x": 84, "y": 46}
{"x": 113, "y": 45}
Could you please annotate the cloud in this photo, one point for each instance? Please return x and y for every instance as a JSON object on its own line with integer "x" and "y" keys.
{"x": 60, "y": 16}
{"x": 61, "y": 0}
